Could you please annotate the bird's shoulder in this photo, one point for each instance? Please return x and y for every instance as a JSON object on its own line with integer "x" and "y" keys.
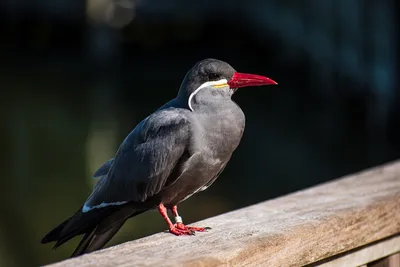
{"x": 167, "y": 123}
{"x": 163, "y": 121}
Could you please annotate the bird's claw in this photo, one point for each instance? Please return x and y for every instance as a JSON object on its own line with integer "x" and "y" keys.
{"x": 181, "y": 226}
{"x": 176, "y": 231}
{"x": 181, "y": 229}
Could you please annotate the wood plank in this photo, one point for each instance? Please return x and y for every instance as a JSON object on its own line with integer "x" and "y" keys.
{"x": 379, "y": 263}
{"x": 293, "y": 230}
{"x": 367, "y": 254}
{"x": 394, "y": 260}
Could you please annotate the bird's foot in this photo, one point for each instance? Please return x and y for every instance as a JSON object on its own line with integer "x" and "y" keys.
{"x": 180, "y": 231}
{"x": 181, "y": 226}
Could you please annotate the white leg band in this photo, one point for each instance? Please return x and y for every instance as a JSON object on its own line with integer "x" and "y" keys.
{"x": 178, "y": 219}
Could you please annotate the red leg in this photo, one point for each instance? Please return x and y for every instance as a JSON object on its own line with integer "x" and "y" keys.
{"x": 172, "y": 228}
{"x": 179, "y": 224}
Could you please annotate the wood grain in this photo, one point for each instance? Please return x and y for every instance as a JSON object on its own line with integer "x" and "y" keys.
{"x": 297, "y": 229}
{"x": 366, "y": 255}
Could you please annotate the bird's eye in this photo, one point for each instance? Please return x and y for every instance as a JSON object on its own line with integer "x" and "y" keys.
{"x": 213, "y": 76}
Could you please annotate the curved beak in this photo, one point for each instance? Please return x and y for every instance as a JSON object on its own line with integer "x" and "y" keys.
{"x": 243, "y": 79}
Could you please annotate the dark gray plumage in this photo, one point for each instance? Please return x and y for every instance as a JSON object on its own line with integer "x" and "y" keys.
{"x": 175, "y": 152}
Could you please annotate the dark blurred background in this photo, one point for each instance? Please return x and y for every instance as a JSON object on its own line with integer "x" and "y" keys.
{"x": 77, "y": 76}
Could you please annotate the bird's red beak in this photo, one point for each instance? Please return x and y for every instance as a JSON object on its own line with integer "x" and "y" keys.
{"x": 243, "y": 79}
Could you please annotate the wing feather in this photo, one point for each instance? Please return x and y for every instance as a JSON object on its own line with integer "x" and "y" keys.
{"x": 145, "y": 160}
{"x": 103, "y": 170}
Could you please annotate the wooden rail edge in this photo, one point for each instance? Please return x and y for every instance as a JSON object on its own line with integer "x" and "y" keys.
{"x": 308, "y": 227}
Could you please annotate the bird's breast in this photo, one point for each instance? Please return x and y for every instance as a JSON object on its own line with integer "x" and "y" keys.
{"x": 214, "y": 137}
{"x": 218, "y": 132}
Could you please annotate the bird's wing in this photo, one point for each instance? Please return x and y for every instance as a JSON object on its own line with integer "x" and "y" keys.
{"x": 144, "y": 161}
{"x": 103, "y": 170}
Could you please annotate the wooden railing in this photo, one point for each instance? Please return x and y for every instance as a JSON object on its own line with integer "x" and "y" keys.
{"x": 352, "y": 221}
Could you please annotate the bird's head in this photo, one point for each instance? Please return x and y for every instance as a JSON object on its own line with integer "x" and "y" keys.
{"x": 213, "y": 73}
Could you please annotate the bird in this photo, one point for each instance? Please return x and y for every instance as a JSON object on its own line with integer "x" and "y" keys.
{"x": 174, "y": 153}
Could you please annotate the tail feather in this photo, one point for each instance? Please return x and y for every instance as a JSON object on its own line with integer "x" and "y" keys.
{"x": 85, "y": 242}
{"x": 54, "y": 234}
{"x": 104, "y": 232}
{"x": 96, "y": 239}
{"x": 59, "y": 233}
{"x": 78, "y": 224}
{"x": 98, "y": 225}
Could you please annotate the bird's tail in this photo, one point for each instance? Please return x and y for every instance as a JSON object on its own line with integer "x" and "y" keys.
{"x": 68, "y": 229}
{"x": 98, "y": 225}
{"x": 104, "y": 231}
{"x": 97, "y": 238}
